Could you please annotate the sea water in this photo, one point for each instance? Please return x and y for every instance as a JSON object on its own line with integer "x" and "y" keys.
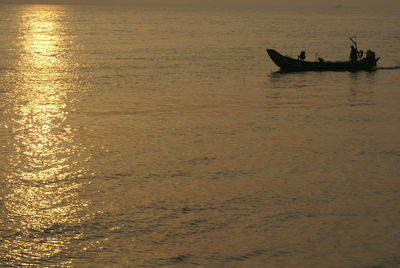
{"x": 155, "y": 136}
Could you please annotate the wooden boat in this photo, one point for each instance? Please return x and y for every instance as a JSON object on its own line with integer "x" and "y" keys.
{"x": 287, "y": 63}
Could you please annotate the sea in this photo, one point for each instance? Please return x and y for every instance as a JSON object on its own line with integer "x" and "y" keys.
{"x": 164, "y": 136}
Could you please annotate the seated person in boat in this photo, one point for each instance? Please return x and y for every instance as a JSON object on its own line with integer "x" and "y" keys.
{"x": 370, "y": 55}
{"x": 353, "y": 54}
{"x": 302, "y": 56}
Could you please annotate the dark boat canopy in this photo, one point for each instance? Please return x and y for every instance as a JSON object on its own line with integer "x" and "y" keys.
{"x": 287, "y": 63}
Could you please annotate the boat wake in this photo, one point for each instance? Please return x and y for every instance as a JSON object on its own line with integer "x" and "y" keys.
{"x": 389, "y": 68}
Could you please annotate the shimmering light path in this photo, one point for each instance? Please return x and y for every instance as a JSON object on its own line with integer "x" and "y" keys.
{"x": 41, "y": 190}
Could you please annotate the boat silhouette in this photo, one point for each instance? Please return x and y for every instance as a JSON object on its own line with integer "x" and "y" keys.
{"x": 287, "y": 63}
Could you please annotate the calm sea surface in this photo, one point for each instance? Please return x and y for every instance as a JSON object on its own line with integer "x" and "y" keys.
{"x": 152, "y": 137}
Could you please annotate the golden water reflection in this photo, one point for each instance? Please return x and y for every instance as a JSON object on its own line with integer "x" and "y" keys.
{"x": 44, "y": 182}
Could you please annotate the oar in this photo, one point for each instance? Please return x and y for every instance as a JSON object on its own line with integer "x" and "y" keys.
{"x": 351, "y": 39}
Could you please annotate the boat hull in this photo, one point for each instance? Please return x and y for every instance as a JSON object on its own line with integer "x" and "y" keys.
{"x": 289, "y": 64}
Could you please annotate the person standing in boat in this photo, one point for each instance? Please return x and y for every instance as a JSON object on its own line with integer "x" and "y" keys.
{"x": 353, "y": 54}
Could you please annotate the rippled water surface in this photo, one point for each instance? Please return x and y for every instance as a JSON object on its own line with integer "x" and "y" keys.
{"x": 166, "y": 137}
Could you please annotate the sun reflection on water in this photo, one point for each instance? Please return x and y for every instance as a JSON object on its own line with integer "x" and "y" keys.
{"x": 42, "y": 198}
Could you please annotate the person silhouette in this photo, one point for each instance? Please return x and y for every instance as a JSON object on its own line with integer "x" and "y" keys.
{"x": 353, "y": 54}
{"x": 302, "y": 56}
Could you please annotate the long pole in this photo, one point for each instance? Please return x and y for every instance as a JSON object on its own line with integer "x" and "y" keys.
{"x": 354, "y": 42}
